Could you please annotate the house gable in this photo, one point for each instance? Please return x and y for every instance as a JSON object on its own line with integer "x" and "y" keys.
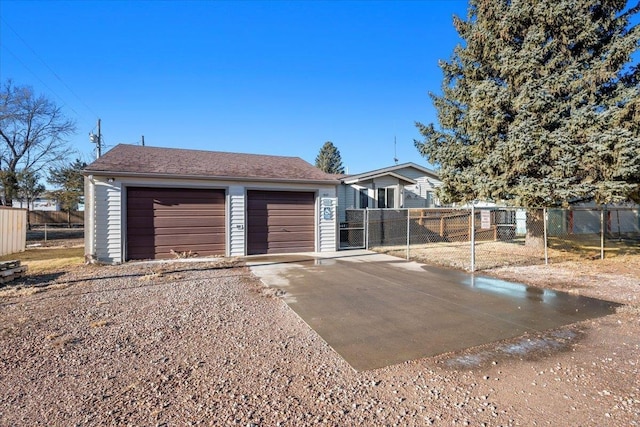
{"x": 411, "y": 186}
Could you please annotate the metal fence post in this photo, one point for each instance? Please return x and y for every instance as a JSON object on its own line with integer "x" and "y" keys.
{"x": 366, "y": 228}
{"x": 408, "y": 232}
{"x": 602, "y": 232}
{"x": 45, "y": 231}
{"x": 472, "y": 237}
{"x": 545, "y": 220}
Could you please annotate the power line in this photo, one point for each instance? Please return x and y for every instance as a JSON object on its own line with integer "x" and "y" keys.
{"x": 46, "y": 65}
{"x": 39, "y": 79}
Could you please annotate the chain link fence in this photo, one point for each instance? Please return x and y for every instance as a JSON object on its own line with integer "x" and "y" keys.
{"x": 486, "y": 237}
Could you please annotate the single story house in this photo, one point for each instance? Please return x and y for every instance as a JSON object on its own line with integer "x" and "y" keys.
{"x": 38, "y": 204}
{"x": 146, "y": 202}
{"x": 406, "y": 185}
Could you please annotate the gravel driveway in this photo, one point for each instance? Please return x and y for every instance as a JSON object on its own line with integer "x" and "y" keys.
{"x": 208, "y": 344}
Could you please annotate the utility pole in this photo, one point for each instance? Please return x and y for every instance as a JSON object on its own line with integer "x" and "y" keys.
{"x": 143, "y": 140}
{"x": 97, "y": 139}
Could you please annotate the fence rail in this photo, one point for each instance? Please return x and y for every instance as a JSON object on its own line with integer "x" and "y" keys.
{"x": 481, "y": 238}
{"x": 56, "y": 217}
{"x": 13, "y": 230}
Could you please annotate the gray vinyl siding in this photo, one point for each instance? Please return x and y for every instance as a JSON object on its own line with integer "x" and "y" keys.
{"x": 411, "y": 173}
{"x": 89, "y": 219}
{"x": 417, "y": 195}
{"x": 108, "y": 222}
{"x": 237, "y": 220}
{"x": 342, "y": 201}
{"x": 327, "y": 228}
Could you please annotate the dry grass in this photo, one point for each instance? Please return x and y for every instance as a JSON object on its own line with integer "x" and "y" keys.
{"x": 98, "y": 323}
{"x": 29, "y": 290}
{"x": 491, "y": 254}
{"x": 588, "y": 245}
{"x": 48, "y": 259}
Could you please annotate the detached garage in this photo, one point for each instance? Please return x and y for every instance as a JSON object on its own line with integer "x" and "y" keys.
{"x": 160, "y": 203}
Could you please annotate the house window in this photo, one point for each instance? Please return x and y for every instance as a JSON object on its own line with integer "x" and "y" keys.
{"x": 364, "y": 199}
{"x": 386, "y": 197}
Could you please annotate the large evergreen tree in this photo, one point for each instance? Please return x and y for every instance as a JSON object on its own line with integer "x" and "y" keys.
{"x": 540, "y": 104}
{"x": 329, "y": 160}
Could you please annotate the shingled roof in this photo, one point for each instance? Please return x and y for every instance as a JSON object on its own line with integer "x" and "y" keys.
{"x": 156, "y": 161}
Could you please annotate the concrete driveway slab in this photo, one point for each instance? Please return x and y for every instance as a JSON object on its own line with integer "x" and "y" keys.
{"x": 376, "y": 310}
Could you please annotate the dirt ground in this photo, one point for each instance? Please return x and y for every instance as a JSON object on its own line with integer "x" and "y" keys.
{"x": 59, "y": 236}
{"x": 208, "y": 344}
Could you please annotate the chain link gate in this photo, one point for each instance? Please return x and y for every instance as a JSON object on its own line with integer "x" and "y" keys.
{"x": 353, "y": 229}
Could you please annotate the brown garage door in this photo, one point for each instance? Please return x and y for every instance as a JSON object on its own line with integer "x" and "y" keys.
{"x": 280, "y": 222}
{"x": 160, "y": 220}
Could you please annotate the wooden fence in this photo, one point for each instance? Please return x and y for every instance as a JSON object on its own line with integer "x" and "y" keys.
{"x": 56, "y": 217}
{"x": 13, "y": 230}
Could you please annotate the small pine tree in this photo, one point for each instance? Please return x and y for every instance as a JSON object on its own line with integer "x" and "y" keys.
{"x": 70, "y": 183}
{"x": 329, "y": 160}
{"x": 29, "y": 189}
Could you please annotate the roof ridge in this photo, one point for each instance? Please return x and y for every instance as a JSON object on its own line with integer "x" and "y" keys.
{"x": 138, "y": 160}
{"x": 206, "y": 151}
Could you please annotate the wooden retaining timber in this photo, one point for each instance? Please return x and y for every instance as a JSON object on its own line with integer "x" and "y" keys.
{"x": 11, "y": 270}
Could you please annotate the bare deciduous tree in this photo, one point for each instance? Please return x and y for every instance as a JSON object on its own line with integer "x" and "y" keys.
{"x": 33, "y": 132}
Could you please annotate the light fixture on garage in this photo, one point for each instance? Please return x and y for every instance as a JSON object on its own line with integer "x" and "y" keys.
{"x": 110, "y": 180}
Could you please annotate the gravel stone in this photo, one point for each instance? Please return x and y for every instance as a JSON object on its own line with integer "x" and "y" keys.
{"x": 205, "y": 343}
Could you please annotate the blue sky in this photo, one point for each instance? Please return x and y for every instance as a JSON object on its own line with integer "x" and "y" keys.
{"x": 275, "y": 78}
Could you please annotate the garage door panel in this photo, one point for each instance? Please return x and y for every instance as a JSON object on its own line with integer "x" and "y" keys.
{"x": 164, "y": 222}
{"x": 288, "y": 245}
{"x": 180, "y": 231}
{"x": 203, "y": 233}
{"x": 290, "y": 221}
{"x": 290, "y": 237}
{"x": 287, "y": 230}
{"x": 278, "y": 237}
{"x": 161, "y": 220}
{"x": 139, "y": 222}
{"x": 191, "y": 205}
{"x": 173, "y": 193}
{"x": 204, "y": 212}
{"x": 141, "y": 205}
{"x": 188, "y": 203}
{"x": 282, "y": 207}
{"x": 187, "y": 240}
{"x": 284, "y": 221}
{"x": 165, "y": 252}
{"x": 279, "y": 222}
{"x": 142, "y": 242}
{"x": 204, "y": 251}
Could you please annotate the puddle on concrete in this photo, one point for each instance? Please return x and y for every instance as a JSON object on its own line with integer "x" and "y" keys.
{"x": 523, "y": 348}
{"x": 509, "y": 289}
{"x": 324, "y": 261}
